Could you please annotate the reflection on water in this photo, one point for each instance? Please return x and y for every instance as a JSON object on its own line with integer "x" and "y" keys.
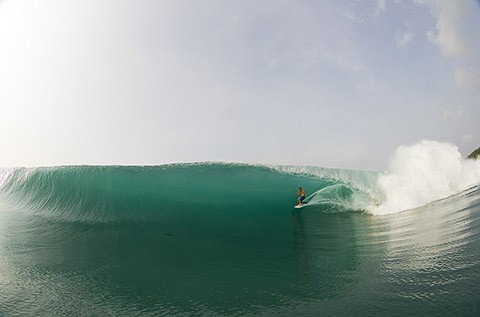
{"x": 325, "y": 246}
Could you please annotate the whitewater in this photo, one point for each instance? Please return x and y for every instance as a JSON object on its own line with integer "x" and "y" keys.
{"x": 216, "y": 239}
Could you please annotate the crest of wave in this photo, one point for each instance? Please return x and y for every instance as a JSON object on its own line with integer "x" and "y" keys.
{"x": 422, "y": 173}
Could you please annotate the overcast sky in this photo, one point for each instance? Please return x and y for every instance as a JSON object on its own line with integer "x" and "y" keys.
{"x": 324, "y": 83}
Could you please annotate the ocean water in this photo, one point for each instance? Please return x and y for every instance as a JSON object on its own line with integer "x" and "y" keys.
{"x": 221, "y": 239}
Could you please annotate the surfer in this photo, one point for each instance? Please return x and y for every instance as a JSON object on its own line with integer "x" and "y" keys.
{"x": 301, "y": 196}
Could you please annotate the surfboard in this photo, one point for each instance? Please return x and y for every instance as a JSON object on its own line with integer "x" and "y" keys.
{"x": 303, "y": 205}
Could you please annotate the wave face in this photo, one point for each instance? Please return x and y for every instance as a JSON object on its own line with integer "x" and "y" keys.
{"x": 119, "y": 193}
{"x": 223, "y": 239}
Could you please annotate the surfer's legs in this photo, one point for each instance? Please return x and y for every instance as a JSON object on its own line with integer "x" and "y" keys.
{"x": 300, "y": 200}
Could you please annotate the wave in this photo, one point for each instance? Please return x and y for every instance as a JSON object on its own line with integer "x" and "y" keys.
{"x": 417, "y": 175}
{"x": 120, "y": 193}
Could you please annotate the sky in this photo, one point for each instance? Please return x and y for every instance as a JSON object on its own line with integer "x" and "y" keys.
{"x": 336, "y": 84}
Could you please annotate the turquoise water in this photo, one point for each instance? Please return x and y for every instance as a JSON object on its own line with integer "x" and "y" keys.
{"x": 224, "y": 239}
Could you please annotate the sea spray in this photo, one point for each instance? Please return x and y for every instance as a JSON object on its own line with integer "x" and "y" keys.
{"x": 422, "y": 173}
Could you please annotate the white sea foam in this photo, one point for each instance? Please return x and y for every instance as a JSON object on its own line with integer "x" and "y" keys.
{"x": 423, "y": 173}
